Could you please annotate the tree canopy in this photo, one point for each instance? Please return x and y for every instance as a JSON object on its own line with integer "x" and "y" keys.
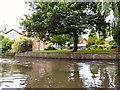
{"x": 115, "y": 27}
{"x": 64, "y": 18}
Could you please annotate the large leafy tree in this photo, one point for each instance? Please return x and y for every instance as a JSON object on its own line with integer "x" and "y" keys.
{"x": 115, "y": 27}
{"x": 63, "y": 18}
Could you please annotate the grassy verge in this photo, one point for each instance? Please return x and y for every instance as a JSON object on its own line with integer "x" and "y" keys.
{"x": 53, "y": 51}
{"x": 80, "y": 51}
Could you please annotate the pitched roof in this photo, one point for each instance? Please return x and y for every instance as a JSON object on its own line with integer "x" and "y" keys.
{"x": 2, "y": 32}
{"x": 13, "y": 30}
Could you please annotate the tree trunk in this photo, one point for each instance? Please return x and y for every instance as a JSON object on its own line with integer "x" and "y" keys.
{"x": 75, "y": 40}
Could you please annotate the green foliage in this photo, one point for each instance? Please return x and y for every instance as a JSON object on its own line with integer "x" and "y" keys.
{"x": 22, "y": 45}
{"x": 93, "y": 39}
{"x": 112, "y": 44}
{"x": 101, "y": 47}
{"x": 1, "y": 37}
{"x": 61, "y": 39}
{"x": 116, "y": 35}
{"x": 50, "y": 48}
{"x": 63, "y": 18}
{"x": 6, "y": 45}
{"x": 101, "y": 42}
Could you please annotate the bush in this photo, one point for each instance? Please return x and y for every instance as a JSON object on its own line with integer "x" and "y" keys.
{"x": 113, "y": 44}
{"x": 101, "y": 42}
{"x": 22, "y": 45}
{"x": 6, "y": 45}
{"x": 101, "y": 47}
{"x": 50, "y": 48}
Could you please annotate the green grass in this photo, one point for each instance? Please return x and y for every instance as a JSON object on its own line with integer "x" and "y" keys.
{"x": 79, "y": 51}
{"x": 53, "y": 51}
{"x": 95, "y": 51}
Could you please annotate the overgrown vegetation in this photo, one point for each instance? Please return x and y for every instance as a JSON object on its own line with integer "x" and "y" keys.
{"x": 22, "y": 45}
{"x": 6, "y": 44}
{"x": 50, "y": 48}
{"x": 61, "y": 39}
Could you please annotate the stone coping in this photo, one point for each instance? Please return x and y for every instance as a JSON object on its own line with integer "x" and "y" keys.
{"x": 71, "y": 55}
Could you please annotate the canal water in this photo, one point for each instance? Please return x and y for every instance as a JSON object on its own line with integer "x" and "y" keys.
{"x": 41, "y": 73}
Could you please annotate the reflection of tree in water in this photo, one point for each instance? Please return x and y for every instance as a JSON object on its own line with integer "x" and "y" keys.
{"x": 94, "y": 69}
{"x": 118, "y": 75}
{"x": 98, "y": 74}
{"x": 74, "y": 76}
{"x": 108, "y": 74}
{"x": 105, "y": 82}
{"x": 104, "y": 76}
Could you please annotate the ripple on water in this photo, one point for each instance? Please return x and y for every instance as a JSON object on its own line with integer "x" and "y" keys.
{"x": 9, "y": 79}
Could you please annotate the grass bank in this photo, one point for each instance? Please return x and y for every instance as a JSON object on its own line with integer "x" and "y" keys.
{"x": 79, "y": 51}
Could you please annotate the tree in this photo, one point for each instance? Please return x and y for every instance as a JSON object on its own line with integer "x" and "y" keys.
{"x": 92, "y": 38}
{"x": 116, "y": 36}
{"x": 115, "y": 6}
{"x": 116, "y": 28}
{"x": 62, "y": 18}
{"x": 61, "y": 39}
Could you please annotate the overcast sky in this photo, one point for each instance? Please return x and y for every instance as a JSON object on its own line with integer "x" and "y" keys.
{"x": 10, "y": 13}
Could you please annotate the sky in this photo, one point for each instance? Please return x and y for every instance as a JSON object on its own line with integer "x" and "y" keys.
{"x": 11, "y": 12}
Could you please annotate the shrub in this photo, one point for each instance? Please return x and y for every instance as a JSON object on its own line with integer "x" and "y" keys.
{"x": 50, "y": 48}
{"x": 96, "y": 46}
{"x": 6, "y": 45}
{"x": 113, "y": 44}
{"x": 22, "y": 45}
{"x": 101, "y": 47}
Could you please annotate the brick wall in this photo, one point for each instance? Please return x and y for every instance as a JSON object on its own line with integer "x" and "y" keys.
{"x": 38, "y": 45}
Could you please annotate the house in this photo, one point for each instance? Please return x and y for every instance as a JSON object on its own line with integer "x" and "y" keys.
{"x": 2, "y": 33}
{"x": 83, "y": 44}
{"x": 12, "y": 34}
{"x": 39, "y": 44}
{"x": 84, "y": 41}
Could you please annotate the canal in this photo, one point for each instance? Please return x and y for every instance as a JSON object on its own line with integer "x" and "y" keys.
{"x": 38, "y": 73}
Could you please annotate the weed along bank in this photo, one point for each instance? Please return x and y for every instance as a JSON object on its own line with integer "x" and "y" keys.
{"x": 71, "y": 55}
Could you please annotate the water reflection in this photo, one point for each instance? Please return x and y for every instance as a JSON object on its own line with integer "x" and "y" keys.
{"x": 36, "y": 73}
{"x": 11, "y": 77}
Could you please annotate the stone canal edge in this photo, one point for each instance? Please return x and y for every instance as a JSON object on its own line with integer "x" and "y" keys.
{"x": 70, "y": 55}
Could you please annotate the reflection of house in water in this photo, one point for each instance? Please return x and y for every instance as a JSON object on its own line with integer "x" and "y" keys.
{"x": 42, "y": 68}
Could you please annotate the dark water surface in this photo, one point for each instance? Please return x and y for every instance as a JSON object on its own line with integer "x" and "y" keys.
{"x": 38, "y": 73}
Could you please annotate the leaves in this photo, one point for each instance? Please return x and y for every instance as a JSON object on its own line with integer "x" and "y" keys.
{"x": 63, "y": 18}
{"x": 93, "y": 39}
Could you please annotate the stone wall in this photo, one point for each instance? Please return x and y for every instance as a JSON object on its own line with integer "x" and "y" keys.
{"x": 71, "y": 55}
